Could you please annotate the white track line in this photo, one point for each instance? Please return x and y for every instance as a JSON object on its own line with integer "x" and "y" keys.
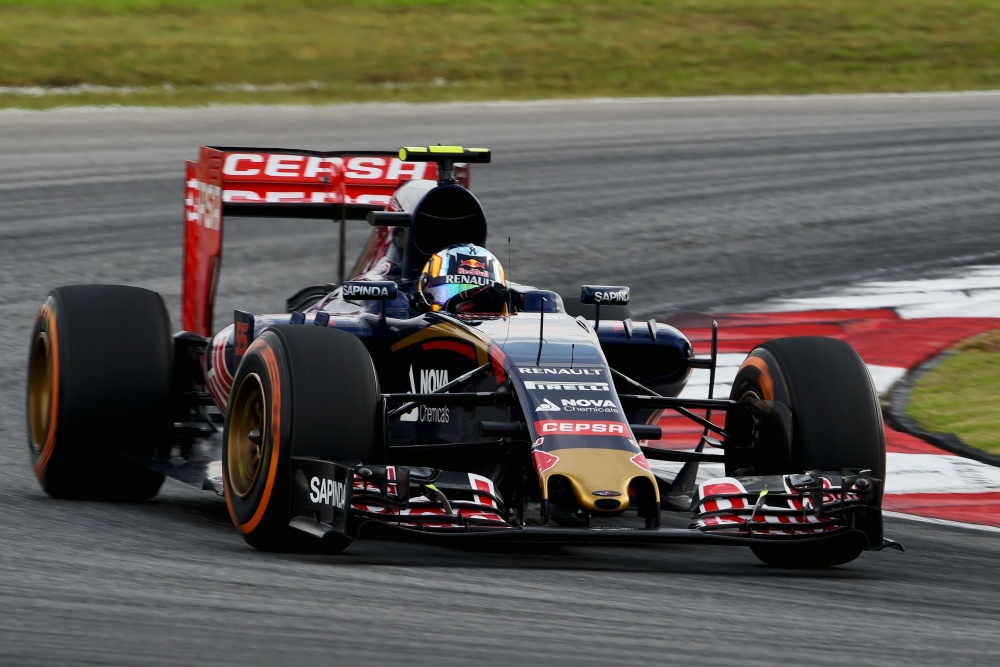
{"x": 972, "y": 291}
{"x": 84, "y": 88}
{"x": 941, "y": 522}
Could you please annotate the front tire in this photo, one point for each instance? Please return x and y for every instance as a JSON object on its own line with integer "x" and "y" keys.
{"x": 836, "y": 425}
{"x": 99, "y": 382}
{"x": 299, "y": 391}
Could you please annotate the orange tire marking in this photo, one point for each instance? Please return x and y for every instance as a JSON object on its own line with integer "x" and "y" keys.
{"x": 50, "y": 437}
{"x": 274, "y": 379}
{"x": 766, "y": 381}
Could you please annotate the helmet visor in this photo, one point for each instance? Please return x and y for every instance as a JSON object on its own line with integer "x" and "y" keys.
{"x": 443, "y": 289}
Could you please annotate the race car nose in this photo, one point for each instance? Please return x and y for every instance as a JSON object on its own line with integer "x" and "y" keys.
{"x": 599, "y": 478}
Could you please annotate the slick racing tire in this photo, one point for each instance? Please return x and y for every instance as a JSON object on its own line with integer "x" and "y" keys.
{"x": 99, "y": 382}
{"x": 836, "y": 425}
{"x": 299, "y": 391}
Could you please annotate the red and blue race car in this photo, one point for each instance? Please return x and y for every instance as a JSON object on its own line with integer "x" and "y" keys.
{"x": 429, "y": 397}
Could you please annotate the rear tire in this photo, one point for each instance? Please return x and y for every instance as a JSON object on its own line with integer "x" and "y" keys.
{"x": 837, "y": 425}
{"x": 99, "y": 382}
{"x": 309, "y": 391}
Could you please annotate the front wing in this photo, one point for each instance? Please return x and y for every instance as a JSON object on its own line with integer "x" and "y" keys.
{"x": 363, "y": 501}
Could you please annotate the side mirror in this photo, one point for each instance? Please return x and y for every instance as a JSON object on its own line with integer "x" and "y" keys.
{"x": 605, "y": 294}
{"x": 617, "y": 295}
{"x": 370, "y": 290}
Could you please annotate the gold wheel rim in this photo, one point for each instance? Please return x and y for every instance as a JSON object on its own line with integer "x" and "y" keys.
{"x": 39, "y": 391}
{"x": 245, "y": 456}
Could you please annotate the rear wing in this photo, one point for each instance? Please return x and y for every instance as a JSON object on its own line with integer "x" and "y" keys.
{"x": 278, "y": 183}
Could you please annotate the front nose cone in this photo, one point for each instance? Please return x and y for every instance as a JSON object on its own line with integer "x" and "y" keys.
{"x": 599, "y": 478}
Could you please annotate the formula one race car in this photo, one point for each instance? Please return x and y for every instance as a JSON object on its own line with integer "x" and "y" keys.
{"x": 430, "y": 397}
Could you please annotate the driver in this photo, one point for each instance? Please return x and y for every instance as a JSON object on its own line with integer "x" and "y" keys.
{"x": 463, "y": 278}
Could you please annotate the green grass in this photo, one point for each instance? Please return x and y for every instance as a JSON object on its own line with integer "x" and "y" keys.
{"x": 961, "y": 395}
{"x": 180, "y": 51}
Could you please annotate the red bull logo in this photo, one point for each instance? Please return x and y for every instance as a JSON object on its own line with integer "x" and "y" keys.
{"x": 543, "y": 460}
{"x": 470, "y": 266}
{"x": 640, "y": 460}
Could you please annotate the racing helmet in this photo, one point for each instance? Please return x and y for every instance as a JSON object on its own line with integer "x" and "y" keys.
{"x": 463, "y": 278}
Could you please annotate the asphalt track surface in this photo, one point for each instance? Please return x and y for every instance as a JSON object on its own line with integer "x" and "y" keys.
{"x": 697, "y": 204}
